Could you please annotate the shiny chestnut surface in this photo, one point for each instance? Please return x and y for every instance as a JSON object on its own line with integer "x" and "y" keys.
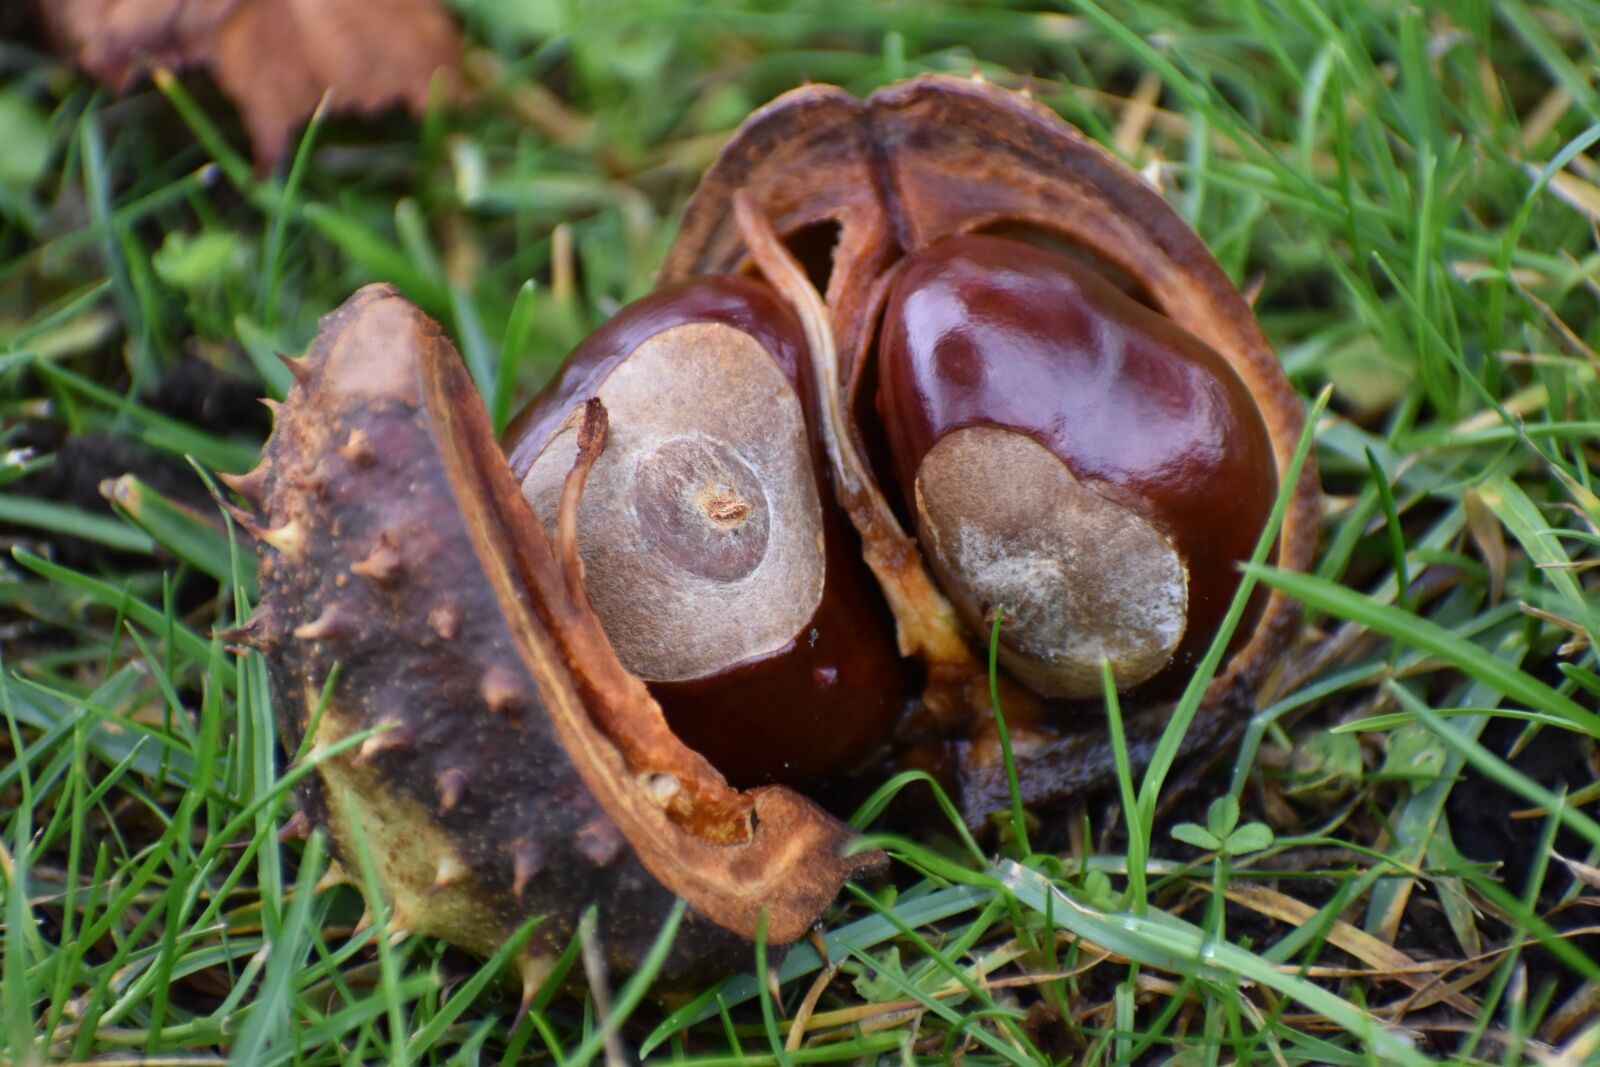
{"x": 824, "y": 696}
{"x": 985, "y": 332}
{"x": 745, "y": 305}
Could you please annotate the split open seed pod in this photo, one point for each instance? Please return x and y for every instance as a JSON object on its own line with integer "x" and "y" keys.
{"x": 1041, "y": 395}
{"x": 510, "y": 766}
{"x": 1031, "y": 390}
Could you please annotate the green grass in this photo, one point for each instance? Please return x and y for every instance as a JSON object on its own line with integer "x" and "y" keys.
{"x": 1414, "y": 189}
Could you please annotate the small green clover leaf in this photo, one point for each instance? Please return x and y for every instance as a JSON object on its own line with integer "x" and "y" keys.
{"x": 1327, "y": 766}
{"x": 1415, "y": 756}
{"x": 877, "y": 983}
{"x": 1222, "y": 832}
{"x": 197, "y": 264}
{"x": 1251, "y": 837}
{"x": 1222, "y": 816}
{"x": 1097, "y": 890}
{"x": 1194, "y": 834}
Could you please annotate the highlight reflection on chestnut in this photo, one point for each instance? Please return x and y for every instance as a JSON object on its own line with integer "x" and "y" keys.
{"x": 1071, "y": 455}
{"x": 713, "y": 551}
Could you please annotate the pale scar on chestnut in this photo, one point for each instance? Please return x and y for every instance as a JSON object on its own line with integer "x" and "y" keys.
{"x": 723, "y": 505}
{"x": 748, "y": 539}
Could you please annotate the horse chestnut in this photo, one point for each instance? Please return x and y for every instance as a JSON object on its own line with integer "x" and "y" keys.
{"x": 1071, "y": 455}
{"x": 998, "y": 336}
{"x": 716, "y": 557}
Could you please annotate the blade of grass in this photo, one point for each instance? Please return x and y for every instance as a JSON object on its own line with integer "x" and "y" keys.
{"x": 518, "y": 328}
{"x": 1429, "y": 636}
{"x": 1397, "y": 537}
{"x": 51, "y": 517}
{"x": 1162, "y": 941}
{"x": 117, "y": 599}
{"x": 1019, "y": 819}
{"x": 1493, "y": 767}
{"x": 1138, "y": 832}
{"x": 1183, "y": 714}
{"x": 16, "y": 986}
{"x": 272, "y": 1011}
{"x": 178, "y": 529}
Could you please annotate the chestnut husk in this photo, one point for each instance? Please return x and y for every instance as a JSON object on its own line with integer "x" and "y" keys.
{"x": 891, "y": 176}
{"x": 517, "y": 770}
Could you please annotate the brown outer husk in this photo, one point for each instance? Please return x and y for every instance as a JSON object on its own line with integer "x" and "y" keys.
{"x": 396, "y": 544}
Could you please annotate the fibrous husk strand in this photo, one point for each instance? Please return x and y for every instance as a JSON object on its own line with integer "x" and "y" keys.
{"x": 927, "y": 624}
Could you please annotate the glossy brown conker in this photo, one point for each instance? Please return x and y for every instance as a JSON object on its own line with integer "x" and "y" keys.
{"x": 1071, "y": 457}
{"x": 713, "y": 550}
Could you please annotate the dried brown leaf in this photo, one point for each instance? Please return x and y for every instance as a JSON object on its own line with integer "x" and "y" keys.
{"x": 1586, "y": 873}
{"x": 1390, "y": 961}
{"x": 114, "y": 40}
{"x": 1490, "y": 539}
{"x": 275, "y": 59}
